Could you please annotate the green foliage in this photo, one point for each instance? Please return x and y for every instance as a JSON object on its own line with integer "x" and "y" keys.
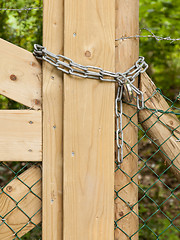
{"x": 157, "y": 225}
{"x": 34, "y": 234}
{"x": 23, "y": 28}
{"x": 162, "y": 17}
{"x": 163, "y": 57}
{"x": 6, "y": 103}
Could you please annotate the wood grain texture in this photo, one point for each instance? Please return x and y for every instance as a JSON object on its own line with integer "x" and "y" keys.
{"x": 89, "y": 123}
{"x": 161, "y": 131}
{"x": 127, "y": 53}
{"x": 27, "y": 201}
{"x": 20, "y": 135}
{"x": 52, "y": 123}
{"x": 20, "y": 75}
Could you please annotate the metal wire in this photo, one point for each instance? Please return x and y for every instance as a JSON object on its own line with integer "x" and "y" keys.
{"x": 159, "y": 194}
{"x": 21, "y": 9}
{"x": 158, "y": 38}
{"x": 12, "y": 171}
{"x": 25, "y": 26}
{"x": 125, "y": 82}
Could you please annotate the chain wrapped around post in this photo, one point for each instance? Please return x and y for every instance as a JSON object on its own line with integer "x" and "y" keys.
{"x": 119, "y": 131}
{"x": 124, "y": 80}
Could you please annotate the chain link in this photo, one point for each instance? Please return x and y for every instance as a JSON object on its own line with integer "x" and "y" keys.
{"x": 125, "y": 82}
{"x": 68, "y": 66}
{"x": 119, "y": 130}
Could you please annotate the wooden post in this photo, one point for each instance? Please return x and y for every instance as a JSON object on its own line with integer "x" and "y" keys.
{"x": 89, "y": 123}
{"x": 52, "y": 123}
{"x": 161, "y": 132}
{"x": 127, "y": 52}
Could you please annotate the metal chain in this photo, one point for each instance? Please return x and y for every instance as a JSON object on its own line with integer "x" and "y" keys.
{"x": 125, "y": 82}
{"x": 119, "y": 128}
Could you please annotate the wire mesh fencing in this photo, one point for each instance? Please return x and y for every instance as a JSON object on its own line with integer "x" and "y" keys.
{"x": 20, "y": 198}
{"x": 158, "y": 173}
{"x": 156, "y": 179}
{"x": 20, "y": 182}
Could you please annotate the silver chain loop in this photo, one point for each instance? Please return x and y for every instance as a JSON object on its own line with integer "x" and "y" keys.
{"x": 68, "y": 66}
{"x": 125, "y": 82}
{"x": 119, "y": 127}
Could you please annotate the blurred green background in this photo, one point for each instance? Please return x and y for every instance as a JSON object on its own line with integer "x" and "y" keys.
{"x": 162, "y": 17}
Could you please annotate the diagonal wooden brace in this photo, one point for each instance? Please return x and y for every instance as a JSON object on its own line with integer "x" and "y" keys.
{"x": 17, "y": 198}
{"x": 165, "y": 132}
{"x": 20, "y": 75}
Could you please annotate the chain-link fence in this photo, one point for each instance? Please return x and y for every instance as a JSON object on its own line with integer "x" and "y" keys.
{"x": 20, "y": 182}
{"x": 158, "y": 172}
{"x": 20, "y": 198}
{"x": 158, "y": 187}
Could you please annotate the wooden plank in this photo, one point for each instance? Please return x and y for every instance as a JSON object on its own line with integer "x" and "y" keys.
{"x": 161, "y": 132}
{"x": 28, "y": 202}
{"x": 20, "y": 135}
{"x": 127, "y": 53}
{"x": 20, "y": 75}
{"x": 52, "y": 123}
{"x": 89, "y": 123}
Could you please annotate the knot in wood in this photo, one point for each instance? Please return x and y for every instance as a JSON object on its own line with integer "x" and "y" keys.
{"x": 13, "y": 77}
{"x": 9, "y": 188}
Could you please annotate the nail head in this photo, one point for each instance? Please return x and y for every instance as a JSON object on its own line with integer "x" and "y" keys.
{"x": 36, "y": 101}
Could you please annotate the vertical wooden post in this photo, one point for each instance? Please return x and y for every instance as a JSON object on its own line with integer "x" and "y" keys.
{"x": 52, "y": 123}
{"x": 89, "y": 123}
{"x": 127, "y": 52}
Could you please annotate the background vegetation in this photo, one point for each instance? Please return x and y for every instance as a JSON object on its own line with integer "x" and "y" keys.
{"x": 162, "y": 17}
